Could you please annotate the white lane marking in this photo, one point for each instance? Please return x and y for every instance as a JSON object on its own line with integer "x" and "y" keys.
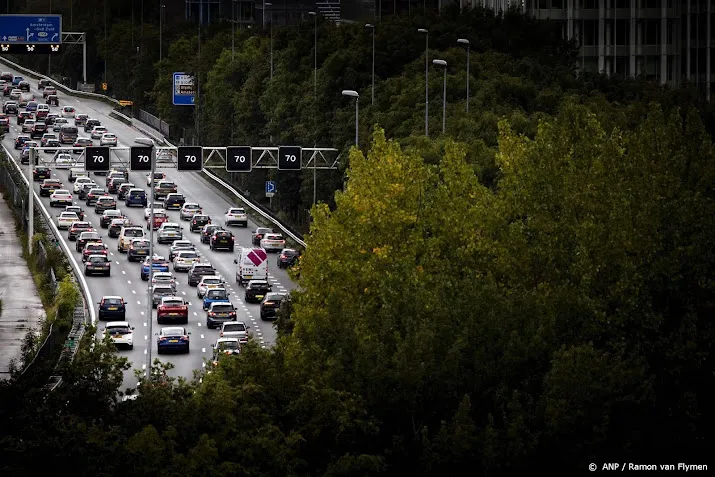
{"x": 145, "y": 352}
{"x": 199, "y": 324}
{"x": 203, "y": 350}
{"x": 144, "y": 323}
{"x": 143, "y": 367}
{"x": 146, "y": 337}
{"x": 203, "y": 365}
{"x": 117, "y": 263}
{"x": 134, "y": 291}
{"x": 138, "y": 302}
{"x": 195, "y": 314}
{"x": 183, "y": 292}
{"x": 202, "y": 336}
{"x": 110, "y": 253}
{"x": 189, "y": 303}
{"x": 142, "y": 313}
{"x": 123, "y": 272}
{"x": 129, "y": 282}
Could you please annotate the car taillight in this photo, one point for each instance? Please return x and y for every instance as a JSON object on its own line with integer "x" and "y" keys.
{"x": 283, "y": 256}
{"x": 221, "y": 334}
{"x": 211, "y": 313}
{"x": 232, "y": 313}
{"x": 162, "y": 338}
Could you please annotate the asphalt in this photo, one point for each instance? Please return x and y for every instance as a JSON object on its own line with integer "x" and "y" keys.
{"x": 125, "y": 280}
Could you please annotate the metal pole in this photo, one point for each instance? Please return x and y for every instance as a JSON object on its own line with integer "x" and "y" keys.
{"x": 373, "y": 66}
{"x": 357, "y": 121}
{"x": 427, "y": 84}
{"x": 233, "y": 30}
{"x": 71, "y": 11}
{"x": 315, "y": 57}
{"x": 105, "y": 43}
{"x": 84, "y": 60}
{"x": 132, "y": 23}
{"x": 198, "y": 86}
{"x": 467, "y": 78}
{"x": 271, "y": 41}
{"x": 30, "y": 201}
{"x": 263, "y": 14}
{"x": 161, "y": 30}
{"x": 444, "y": 102}
{"x": 149, "y": 315}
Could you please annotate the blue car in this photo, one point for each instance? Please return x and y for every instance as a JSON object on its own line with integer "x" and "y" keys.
{"x": 112, "y": 307}
{"x": 174, "y": 338}
{"x": 17, "y": 80}
{"x": 136, "y": 197}
{"x": 215, "y": 295}
{"x": 158, "y": 264}
{"x": 31, "y": 106}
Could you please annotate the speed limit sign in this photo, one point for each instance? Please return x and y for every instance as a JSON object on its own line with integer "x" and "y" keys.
{"x": 140, "y": 158}
{"x": 96, "y": 159}
{"x": 191, "y": 158}
{"x": 238, "y": 159}
{"x": 289, "y": 158}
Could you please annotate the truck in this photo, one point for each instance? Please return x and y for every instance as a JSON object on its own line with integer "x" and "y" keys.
{"x": 251, "y": 264}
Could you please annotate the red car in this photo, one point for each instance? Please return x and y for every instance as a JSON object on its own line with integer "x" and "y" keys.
{"x": 174, "y": 309}
{"x": 159, "y": 218}
{"x": 94, "y": 248}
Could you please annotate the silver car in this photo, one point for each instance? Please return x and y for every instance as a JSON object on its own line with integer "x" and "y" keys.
{"x": 164, "y": 278}
{"x": 159, "y": 291}
{"x": 235, "y": 329}
{"x": 185, "y": 259}
{"x": 169, "y": 232}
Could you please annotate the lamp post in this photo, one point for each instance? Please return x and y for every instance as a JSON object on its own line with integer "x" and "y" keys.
{"x": 464, "y": 41}
{"x": 106, "y": 51}
{"x": 444, "y": 93}
{"x": 315, "y": 51}
{"x": 161, "y": 29}
{"x": 372, "y": 27}
{"x": 233, "y": 30}
{"x": 426, "y": 32}
{"x": 354, "y": 94}
{"x": 270, "y": 5}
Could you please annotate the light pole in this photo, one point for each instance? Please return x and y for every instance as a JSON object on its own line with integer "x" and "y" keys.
{"x": 354, "y": 94}
{"x": 372, "y": 27}
{"x": 270, "y": 5}
{"x": 426, "y": 32}
{"x": 464, "y": 41}
{"x": 444, "y": 93}
{"x": 161, "y": 29}
{"x": 106, "y": 51}
{"x": 315, "y": 55}
{"x": 233, "y": 30}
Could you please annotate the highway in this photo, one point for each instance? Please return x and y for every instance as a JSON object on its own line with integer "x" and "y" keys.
{"x": 125, "y": 280}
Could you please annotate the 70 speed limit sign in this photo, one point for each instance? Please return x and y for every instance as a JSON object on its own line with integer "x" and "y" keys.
{"x": 289, "y": 158}
{"x": 191, "y": 158}
{"x": 96, "y": 159}
{"x": 141, "y": 158}
{"x": 238, "y": 158}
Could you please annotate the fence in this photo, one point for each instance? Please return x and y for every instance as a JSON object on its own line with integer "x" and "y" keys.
{"x": 154, "y": 122}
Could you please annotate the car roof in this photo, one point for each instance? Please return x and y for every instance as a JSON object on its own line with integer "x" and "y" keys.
{"x": 172, "y": 330}
{"x": 226, "y": 340}
{"x": 113, "y": 324}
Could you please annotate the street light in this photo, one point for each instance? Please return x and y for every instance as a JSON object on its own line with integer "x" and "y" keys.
{"x": 270, "y": 5}
{"x": 233, "y": 30}
{"x": 161, "y": 29}
{"x": 354, "y": 94}
{"x": 106, "y": 51}
{"x": 464, "y": 41}
{"x": 371, "y": 26}
{"x": 315, "y": 49}
{"x": 426, "y": 32}
{"x": 444, "y": 93}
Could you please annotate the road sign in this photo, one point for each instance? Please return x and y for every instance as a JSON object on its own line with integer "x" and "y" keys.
{"x": 183, "y": 92}
{"x": 104, "y": 86}
{"x": 30, "y": 29}
{"x": 35, "y": 49}
{"x": 141, "y": 158}
{"x": 96, "y": 159}
{"x": 124, "y": 102}
{"x": 191, "y": 158}
{"x": 289, "y": 158}
{"x": 271, "y": 188}
{"x": 238, "y": 158}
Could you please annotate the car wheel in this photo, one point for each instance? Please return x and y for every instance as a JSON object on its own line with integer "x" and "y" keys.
{"x": 159, "y": 321}
{"x": 86, "y": 274}
{"x": 131, "y": 347}
{"x": 158, "y": 350}
{"x": 108, "y": 274}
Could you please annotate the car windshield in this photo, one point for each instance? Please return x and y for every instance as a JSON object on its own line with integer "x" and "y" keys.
{"x": 172, "y": 227}
{"x": 95, "y": 247}
{"x": 133, "y": 233}
{"x": 172, "y": 332}
{"x": 216, "y": 294}
{"x": 234, "y": 327}
{"x": 112, "y": 301}
{"x": 158, "y": 260}
{"x": 163, "y": 290}
{"x": 191, "y": 206}
{"x": 89, "y": 236}
{"x": 257, "y": 285}
{"x": 98, "y": 259}
{"x": 263, "y": 231}
{"x": 163, "y": 278}
{"x": 222, "y": 308}
{"x": 181, "y": 244}
{"x": 236, "y": 211}
{"x": 81, "y": 225}
{"x": 140, "y": 243}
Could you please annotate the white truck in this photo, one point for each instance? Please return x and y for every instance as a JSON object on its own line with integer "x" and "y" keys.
{"x": 251, "y": 264}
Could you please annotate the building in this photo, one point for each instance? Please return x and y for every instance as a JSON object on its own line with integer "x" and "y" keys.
{"x": 250, "y": 13}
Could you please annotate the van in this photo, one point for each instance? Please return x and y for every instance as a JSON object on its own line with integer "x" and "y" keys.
{"x": 144, "y": 141}
{"x": 68, "y": 134}
{"x": 76, "y": 172}
{"x": 126, "y": 236}
{"x": 251, "y": 264}
{"x": 136, "y": 197}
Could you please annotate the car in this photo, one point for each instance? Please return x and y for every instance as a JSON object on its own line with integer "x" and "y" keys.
{"x": 50, "y": 144}
{"x": 46, "y": 137}
{"x": 225, "y": 347}
{"x": 218, "y": 313}
{"x": 173, "y": 339}
{"x": 123, "y": 190}
{"x": 42, "y": 112}
{"x": 138, "y": 249}
{"x": 164, "y": 188}
{"x": 49, "y": 91}
{"x": 126, "y": 235}
{"x": 27, "y": 125}
{"x": 94, "y": 194}
{"x": 159, "y": 291}
{"x": 104, "y": 203}
{"x": 86, "y": 188}
{"x": 68, "y": 133}
{"x": 116, "y": 225}
{"x": 63, "y": 161}
{"x": 76, "y": 173}
{"x": 52, "y": 100}
{"x": 58, "y": 123}
{"x": 208, "y": 231}
{"x": 184, "y": 260}
{"x": 80, "y": 182}
{"x": 198, "y": 222}
{"x": 153, "y": 180}
{"x": 94, "y": 248}
{"x": 163, "y": 278}
{"x": 174, "y": 201}
{"x": 16, "y": 80}
{"x": 168, "y": 232}
{"x": 256, "y": 290}
{"x": 114, "y": 183}
{"x": 149, "y": 208}
{"x": 121, "y": 334}
{"x": 111, "y": 306}
{"x": 135, "y": 197}
{"x": 4, "y": 123}
{"x": 15, "y": 95}
{"x": 90, "y": 124}
{"x": 235, "y": 329}
{"x": 38, "y": 130}
{"x": 68, "y": 112}
{"x": 108, "y": 216}
{"x": 287, "y": 258}
{"x": 98, "y": 264}
{"x": 10, "y": 108}
{"x": 86, "y": 237}
{"x": 159, "y": 218}
{"x": 273, "y": 242}
{"x": 20, "y": 141}
{"x": 76, "y": 229}
{"x": 222, "y": 239}
{"x": 31, "y": 106}
{"x": 23, "y": 116}
{"x": 158, "y": 264}
{"x": 25, "y": 154}
{"x": 209, "y": 282}
{"x": 40, "y": 173}
{"x": 60, "y": 197}
{"x": 97, "y": 132}
{"x": 199, "y": 270}
{"x": 80, "y": 119}
{"x": 75, "y": 209}
{"x": 164, "y": 156}
{"x": 215, "y": 295}
{"x": 42, "y": 83}
{"x": 172, "y": 308}
{"x": 80, "y": 143}
{"x": 189, "y": 210}
{"x": 270, "y": 305}
{"x": 24, "y": 86}
{"x": 107, "y": 139}
{"x": 236, "y": 216}
{"x": 51, "y": 117}
{"x": 257, "y": 235}
{"x": 66, "y": 219}
{"x": 178, "y": 246}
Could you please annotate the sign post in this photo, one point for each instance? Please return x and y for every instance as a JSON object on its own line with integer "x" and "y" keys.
{"x": 184, "y": 90}
{"x": 30, "y": 33}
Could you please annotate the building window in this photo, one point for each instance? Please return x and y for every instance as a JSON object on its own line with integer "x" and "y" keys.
{"x": 623, "y": 4}
{"x": 558, "y": 4}
{"x": 651, "y": 32}
{"x": 652, "y": 3}
{"x": 590, "y": 32}
{"x": 544, "y": 4}
{"x": 590, "y": 3}
{"x": 623, "y": 32}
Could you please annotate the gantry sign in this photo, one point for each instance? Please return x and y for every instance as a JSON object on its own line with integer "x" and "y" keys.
{"x": 189, "y": 158}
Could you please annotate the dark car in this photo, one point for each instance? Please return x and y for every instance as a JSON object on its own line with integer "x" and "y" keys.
{"x": 104, "y": 203}
{"x": 222, "y": 239}
{"x": 91, "y": 123}
{"x": 219, "y": 313}
{"x": 270, "y": 305}
{"x": 85, "y": 189}
{"x": 51, "y": 143}
{"x": 40, "y": 172}
{"x": 256, "y": 290}
{"x": 173, "y": 339}
{"x": 112, "y": 307}
{"x": 21, "y": 140}
{"x": 114, "y": 183}
{"x": 138, "y": 249}
{"x": 199, "y": 270}
{"x": 24, "y": 86}
{"x": 22, "y": 115}
{"x": 38, "y": 130}
{"x": 48, "y": 186}
{"x": 174, "y": 201}
{"x": 42, "y": 83}
{"x": 94, "y": 194}
{"x": 287, "y": 258}
{"x": 108, "y": 216}
{"x": 85, "y": 237}
{"x": 6, "y": 90}
{"x": 257, "y": 235}
{"x": 77, "y": 228}
{"x": 98, "y": 264}
{"x": 115, "y": 228}
{"x": 53, "y": 100}
{"x": 124, "y": 190}
{"x": 198, "y": 222}
{"x": 208, "y": 231}
{"x": 48, "y": 91}
{"x": 10, "y": 108}
{"x": 4, "y": 122}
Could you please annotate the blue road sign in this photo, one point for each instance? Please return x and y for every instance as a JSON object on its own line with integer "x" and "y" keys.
{"x": 271, "y": 187}
{"x": 30, "y": 29}
{"x": 183, "y": 91}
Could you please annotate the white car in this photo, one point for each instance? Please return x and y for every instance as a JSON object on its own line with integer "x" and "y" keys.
{"x": 185, "y": 259}
{"x": 226, "y": 346}
{"x": 76, "y": 209}
{"x": 273, "y": 242}
{"x": 157, "y": 210}
{"x": 189, "y": 210}
{"x": 65, "y": 220}
{"x": 207, "y": 283}
{"x": 63, "y": 161}
{"x": 165, "y": 156}
{"x": 68, "y": 112}
{"x": 169, "y": 232}
{"x": 163, "y": 278}
{"x": 235, "y": 329}
{"x": 107, "y": 139}
{"x": 98, "y": 132}
{"x": 81, "y": 181}
{"x": 60, "y": 197}
{"x": 236, "y": 215}
{"x": 121, "y": 333}
{"x": 27, "y": 125}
